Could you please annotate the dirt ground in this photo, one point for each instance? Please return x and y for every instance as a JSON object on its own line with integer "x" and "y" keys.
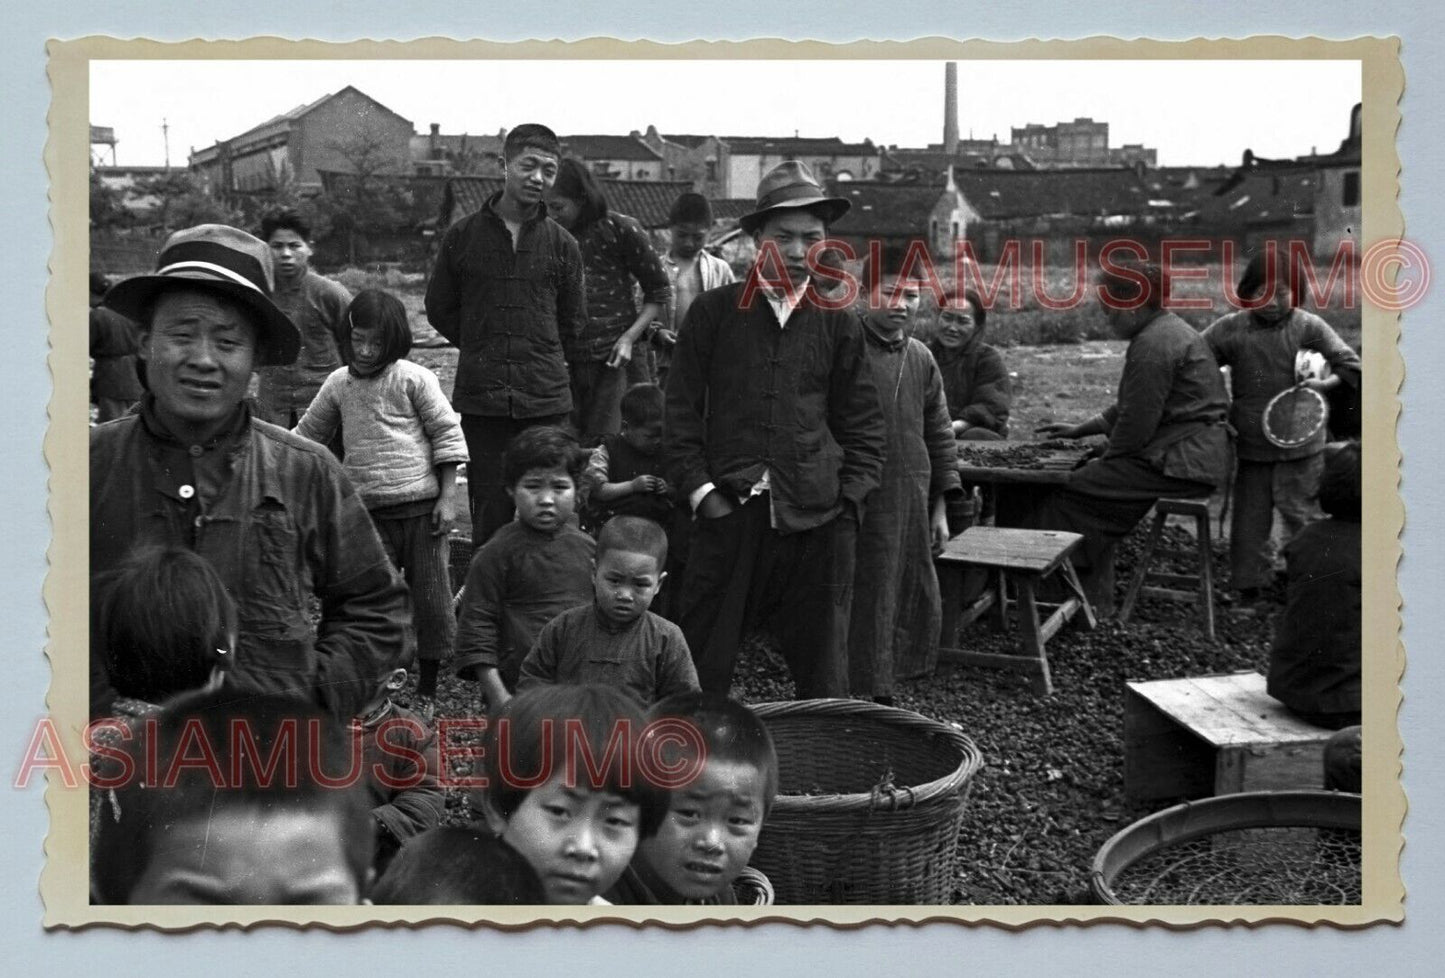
{"x": 1050, "y": 792}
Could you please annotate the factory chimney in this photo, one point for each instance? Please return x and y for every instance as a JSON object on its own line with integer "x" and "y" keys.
{"x": 950, "y": 108}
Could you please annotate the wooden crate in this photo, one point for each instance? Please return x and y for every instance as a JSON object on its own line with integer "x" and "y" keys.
{"x": 1215, "y": 735}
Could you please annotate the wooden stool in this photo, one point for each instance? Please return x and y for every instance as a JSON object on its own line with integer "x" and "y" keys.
{"x": 1215, "y": 735}
{"x": 1202, "y": 584}
{"x": 1024, "y": 558}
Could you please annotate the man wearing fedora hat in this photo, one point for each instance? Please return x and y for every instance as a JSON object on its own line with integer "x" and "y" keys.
{"x": 775, "y": 427}
{"x": 270, "y": 510}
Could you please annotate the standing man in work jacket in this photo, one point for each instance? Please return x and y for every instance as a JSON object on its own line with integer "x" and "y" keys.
{"x": 775, "y": 428}
{"x": 507, "y": 289}
{"x": 271, "y": 511}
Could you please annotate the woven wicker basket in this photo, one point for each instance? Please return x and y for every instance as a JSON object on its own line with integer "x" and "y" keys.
{"x": 838, "y": 832}
{"x": 753, "y": 888}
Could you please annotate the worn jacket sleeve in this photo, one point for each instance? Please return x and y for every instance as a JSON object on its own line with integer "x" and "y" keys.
{"x": 1146, "y": 382}
{"x": 645, "y": 266}
{"x": 443, "y": 297}
{"x": 855, "y": 416}
{"x": 365, "y": 611}
{"x": 539, "y": 668}
{"x": 675, "y": 671}
{"x": 479, "y": 627}
{"x": 411, "y": 811}
{"x": 1322, "y": 338}
{"x": 323, "y": 416}
{"x": 685, "y": 416}
{"x": 992, "y": 395}
{"x": 443, "y": 425}
{"x": 938, "y": 434}
{"x": 570, "y": 283}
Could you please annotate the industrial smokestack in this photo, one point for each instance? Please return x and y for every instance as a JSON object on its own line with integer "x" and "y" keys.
{"x": 950, "y": 108}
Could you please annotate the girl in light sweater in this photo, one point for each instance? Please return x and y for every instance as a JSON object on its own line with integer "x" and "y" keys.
{"x": 403, "y": 443}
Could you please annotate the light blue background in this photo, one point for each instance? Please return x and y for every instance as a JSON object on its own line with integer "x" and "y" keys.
{"x": 25, "y": 388}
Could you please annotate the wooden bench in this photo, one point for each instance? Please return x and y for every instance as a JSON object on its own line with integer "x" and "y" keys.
{"x": 1023, "y": 558}
{"x": 1215, "y": 735}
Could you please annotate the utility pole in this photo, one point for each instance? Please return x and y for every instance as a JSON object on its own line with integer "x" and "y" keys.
{"x": 166, "y": 135}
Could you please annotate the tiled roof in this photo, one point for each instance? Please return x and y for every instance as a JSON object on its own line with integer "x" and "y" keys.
{"x": 731, "y": 208}
{"x": 1006, "y": 194}
{"x": 603, "y": 147}
{"x": 451, "y": 145}
{"x": 1263, "y": 198}
{"x": 647, "y": 200}
{"x": 775, "y": 145}
{"x": 691, "y": 141}
{"x": 886, "y": 208}
{"x": 281, "y": 123}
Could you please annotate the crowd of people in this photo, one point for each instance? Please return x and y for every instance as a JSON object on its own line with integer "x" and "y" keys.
{"x": 659, "y": 460}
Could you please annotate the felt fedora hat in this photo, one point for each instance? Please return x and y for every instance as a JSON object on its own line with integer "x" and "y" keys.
{"x": 791, "y": 185}
{"x": 220, "y": 259}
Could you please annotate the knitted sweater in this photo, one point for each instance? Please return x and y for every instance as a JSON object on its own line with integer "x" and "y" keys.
{"x": 396, "y": 426}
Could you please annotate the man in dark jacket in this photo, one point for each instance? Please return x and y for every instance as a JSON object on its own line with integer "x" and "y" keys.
{"x": 507, "y": 290}
{"x": 1168, "y": 431}
{"x": 272, "y": 512}
{"x": 775, "y": 428}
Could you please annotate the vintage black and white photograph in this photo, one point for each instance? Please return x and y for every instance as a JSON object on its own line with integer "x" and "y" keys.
{"x": 524, "y": 486}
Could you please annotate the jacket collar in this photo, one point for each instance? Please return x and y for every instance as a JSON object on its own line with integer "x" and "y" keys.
{"x": 876, "y": 336}
{"x": 538, "y": 212}
{"x": 230, "y": 433}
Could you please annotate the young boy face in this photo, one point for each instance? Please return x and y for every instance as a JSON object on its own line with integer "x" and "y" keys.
{"x": 578, "y": 840}
{"x": 645, "y": 438}
{"x": 545, "y": 498}
{"x": 246, "y": 856}
{"x": 289, "y": 253}
{"x": 895, "y": 305}
{"x": 528, "y": 175}
{"x": 687, "y": 240}
{"x": 625, "y": 583}
{"x": 710, "y": 831}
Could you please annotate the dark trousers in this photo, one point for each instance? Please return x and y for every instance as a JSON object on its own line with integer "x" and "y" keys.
{"x": 597, "y": 391}
{"x": 487, "y": 499}
{"x": 741, "y": 574}
{"x": 421, "y": 557}
{"x": 1104, "y": 501}
{"x": 1260, "y": 488}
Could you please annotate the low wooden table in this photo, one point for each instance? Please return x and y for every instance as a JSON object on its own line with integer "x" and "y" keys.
{"x": 1023, "y": 558}
{"x": 1215, "y": 735}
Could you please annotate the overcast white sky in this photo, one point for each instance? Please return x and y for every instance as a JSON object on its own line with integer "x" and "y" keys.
{"x": 1192, "y": 112}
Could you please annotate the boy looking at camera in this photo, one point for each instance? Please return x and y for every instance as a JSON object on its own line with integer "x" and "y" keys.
{"x": 532, "y": 570}
{"x": 616, "y": 641}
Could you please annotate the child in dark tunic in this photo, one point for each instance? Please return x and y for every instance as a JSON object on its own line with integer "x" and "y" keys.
{"x": 532, "y": 569}
{"x": 616, "y": 641}
{"x": 897, "y": 609}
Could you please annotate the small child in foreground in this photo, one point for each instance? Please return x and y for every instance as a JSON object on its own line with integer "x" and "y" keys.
{"x": 580, "y": 826}
{"x": 615, "y": 640}
{"x": 623, "y": 470}
{"x": 459, "y": 867}
{"x": 403, "y": 443}
{"x": 235, "y": 833}
{"x": 704, "y": 843}
{"x": 531, "y": 570}
{"x": 400, "y": 761}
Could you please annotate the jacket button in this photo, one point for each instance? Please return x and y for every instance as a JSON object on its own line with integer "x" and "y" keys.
{"x": 195, "y": 451}
{"x": 186, "y": 492}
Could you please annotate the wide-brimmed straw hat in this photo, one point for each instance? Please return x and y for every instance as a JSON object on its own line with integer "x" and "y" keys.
{"x": 221, "y": 259}
{"x": 790, "y": 185}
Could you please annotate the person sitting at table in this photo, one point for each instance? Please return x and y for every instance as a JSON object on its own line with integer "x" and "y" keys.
{"x": 975, "y": 380}
{"x": 1168, "y": 432}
